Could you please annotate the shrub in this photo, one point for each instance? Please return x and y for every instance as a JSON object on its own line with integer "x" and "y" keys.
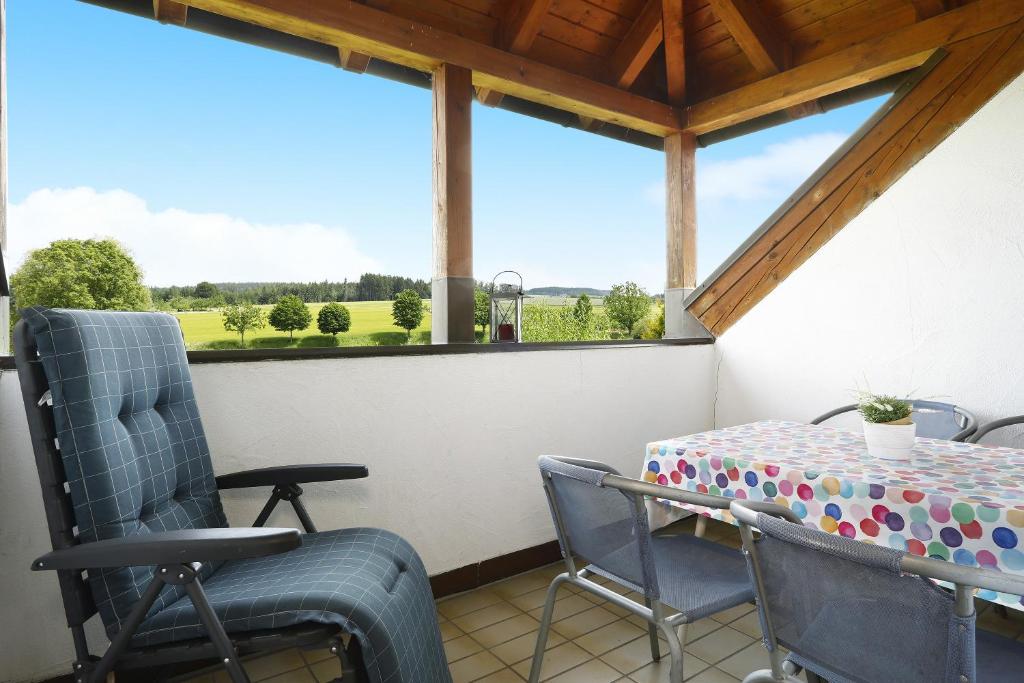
{"x": 333, "y": 318}
{"x": 482, "y": 310}
{"x": 243, "y": 317}
{"x": 290, "y": 313}
{"x": 559, "y": 323}
{"x": 407, "y": 311}
{"x": 627, "y": 304}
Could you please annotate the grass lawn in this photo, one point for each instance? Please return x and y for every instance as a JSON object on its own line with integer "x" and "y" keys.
{"x": 372, "y": 325}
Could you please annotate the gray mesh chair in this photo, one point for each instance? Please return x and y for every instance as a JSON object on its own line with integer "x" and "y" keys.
{"x": 850, "y": 611}
{"x": 994, "y": 425}
{"x": 601, "y": 516}
{"x": 934, "y": 420}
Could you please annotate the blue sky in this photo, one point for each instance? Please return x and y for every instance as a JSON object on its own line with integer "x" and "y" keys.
{"x": 216, "y": 160}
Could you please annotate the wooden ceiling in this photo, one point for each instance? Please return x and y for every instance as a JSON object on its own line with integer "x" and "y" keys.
{"x": 720, "y": 63}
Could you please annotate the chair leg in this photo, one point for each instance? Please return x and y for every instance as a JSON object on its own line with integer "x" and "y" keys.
{"x": 652, "y": 634}
{"x": 215, "y": 632}
{"x": 701, "y": 526}
{"x": 675, "y": 649}
{"x": 545, "y": 626}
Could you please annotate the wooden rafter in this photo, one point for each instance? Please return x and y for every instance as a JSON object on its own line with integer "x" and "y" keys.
{"x": 926, "y": 9}
{"x": 891, "y": 53}
{"x": 170, "y": 12}
{"x": 356, "y": 62}
{"x": 382, "y": 35}
{"x": 517, "y": 30}
{"x": 969, "y": 74}
{"x": 760, "y": 42}
{"x": 674, "y": 39}
{"x": 637, "y": 47}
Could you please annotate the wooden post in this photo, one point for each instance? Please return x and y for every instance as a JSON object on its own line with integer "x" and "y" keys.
{"x": 5, "y": 302}
{"x": 680, "y": 232}
{"x": 453, "y": 284}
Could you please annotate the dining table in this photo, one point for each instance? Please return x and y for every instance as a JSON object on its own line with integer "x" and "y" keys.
{"x": 952, "y": 501}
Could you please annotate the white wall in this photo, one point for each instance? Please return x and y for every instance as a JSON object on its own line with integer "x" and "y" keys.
{"x": 451, "y": 442}
{"x": 923, "y": 292}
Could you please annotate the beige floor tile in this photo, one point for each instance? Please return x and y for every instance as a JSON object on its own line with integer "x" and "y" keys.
{"x": 524, "y": 583}
{"x": 518, "y": 649}
{"x": 534, "y": 599}
{"x": 475, "y": 667}
{"x": 1010, "y": 626}
{"x": 749, "y": 623}
{"x": 584, "y": 622}
{"x": 719, "y": 644}
{"x": 485, "y": 617}
{"x": 725, "y": 616}
{"x": 272, "y": 665}
{"x": 201, "y": 678}
{"x": 503, "y": 676}
{"x": 701, "y": 628}
{"x": 467, "y": 602}
{"x": 463, "y": 646}
{"x": 505, "y": 631}
{"x": 713, "y": 675}
{"x": 594, "y": 671}
{"x": 609, "y": 637}
{"x": 297, "y": 676}
{"x": 750, "y": 658}
{"x": 556, "y": 660}
{"x": 327, "y": 670}
{"x": 657, "y": 672}
{"x": 632, "y": 655}
{"x": 564, "y": 607}
{"x": 317, "y": 655}
{"x": 450, "y": 630}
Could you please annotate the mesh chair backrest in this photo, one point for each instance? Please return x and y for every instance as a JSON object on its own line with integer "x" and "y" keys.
{"x": 603, "y": 525}
{"x": 131, "y": 443}
{"x": 936, "y": 420}
{"x": 843, "y": 607}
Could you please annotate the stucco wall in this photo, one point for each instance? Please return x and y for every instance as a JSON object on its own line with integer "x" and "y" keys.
{"x": 923, "y": 293}
{"x": 451, "y": 442}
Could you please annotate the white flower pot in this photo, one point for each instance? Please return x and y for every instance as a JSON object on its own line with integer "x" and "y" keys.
{"x": 889, "y": 441}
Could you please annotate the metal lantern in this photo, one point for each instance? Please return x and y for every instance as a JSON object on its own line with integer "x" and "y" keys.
{"x": 506, "y": 310}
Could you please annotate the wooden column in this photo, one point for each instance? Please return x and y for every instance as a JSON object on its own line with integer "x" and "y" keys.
{"x": 680, "y": 231}
{"x": 452, "y": 291}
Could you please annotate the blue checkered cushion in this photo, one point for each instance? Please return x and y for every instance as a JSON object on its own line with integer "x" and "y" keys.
{"x": 130, "y": 437}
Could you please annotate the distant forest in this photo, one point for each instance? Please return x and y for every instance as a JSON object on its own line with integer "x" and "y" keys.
{"x": 567, "y": 291}
{"x": 369, "y": 287}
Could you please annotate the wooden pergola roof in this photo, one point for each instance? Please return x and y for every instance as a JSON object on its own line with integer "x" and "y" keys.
{"x": 668, "y": 74}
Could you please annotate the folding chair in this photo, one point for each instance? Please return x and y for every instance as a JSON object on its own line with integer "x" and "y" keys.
{"x": 852, "y": 611}
{"x": 139, "y": 535}
{"x": 601, "y": 516}
{"x": 934, "y": 420}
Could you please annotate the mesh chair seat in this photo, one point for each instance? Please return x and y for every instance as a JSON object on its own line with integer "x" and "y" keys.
{"x": 997, "y": 658}
{"x": 370, "y": 582}
{"x": 697, "y": 577}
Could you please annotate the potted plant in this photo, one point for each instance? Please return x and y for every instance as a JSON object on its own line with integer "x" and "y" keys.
{"x": 888, "y": 429}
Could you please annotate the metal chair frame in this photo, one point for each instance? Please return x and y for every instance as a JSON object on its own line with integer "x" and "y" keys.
{"x": 673, "y": 627}
{"x": 992, "y": 426}
{"x": 969, "y": 426}
{"x": 964, "y": 579}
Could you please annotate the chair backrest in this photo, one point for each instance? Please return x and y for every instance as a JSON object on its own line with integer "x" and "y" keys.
{"x": 606, "y": 526}
{"x": 994, "y": 425}
{"x": 847, "y": 609}
{"x": 131, "y": 446}
{"x": 934, "y": 419}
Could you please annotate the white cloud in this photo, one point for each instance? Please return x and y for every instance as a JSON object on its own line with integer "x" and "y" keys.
{"x": 175, "y": 246}
{"x": 774, "y": 172}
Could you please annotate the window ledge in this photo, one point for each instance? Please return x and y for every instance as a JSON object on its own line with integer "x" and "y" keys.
{"x": 243, "y": 356}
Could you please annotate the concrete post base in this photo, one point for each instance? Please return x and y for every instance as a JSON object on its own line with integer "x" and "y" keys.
{"x": 451, "y": 310}
{"x": 680, "y": 323}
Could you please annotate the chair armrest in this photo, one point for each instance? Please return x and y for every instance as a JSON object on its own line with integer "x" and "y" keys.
{"x": 172, "y": 547}
{"x": 291, "y": 474}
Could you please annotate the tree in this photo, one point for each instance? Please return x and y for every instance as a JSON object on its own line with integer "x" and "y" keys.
{"x": 583, "y": 310}
{"x": 407, "y": 310}
{"x": 241, "y": 318}
{"x": 482, "y": 309}
{"x": 290, "y": 313}
{"x": 206, "y": 290}
{"x": 332, "y": 319}
{"x": 627, "y": 304}
{"x": 91, "y": 274}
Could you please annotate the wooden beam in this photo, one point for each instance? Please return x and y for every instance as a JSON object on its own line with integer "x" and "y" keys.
{"x": 170, "y": 12}
{"x": 637, "y": 47}
{"x": 889, "y": 54}
{"x": 681, "y": 211}
{"x": 389, "y": 37}
{"x": 674, "y": 39}
{"x": 516, "y": 32}
{"x": 971, "y": 73}
{"x": 356, "y": 62}
{"x": 926, "y": 9}
{"x": 755, "y": 35}
{"x": 452, "y": 301}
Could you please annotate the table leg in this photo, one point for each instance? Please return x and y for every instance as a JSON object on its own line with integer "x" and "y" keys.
{"x": 701, "y": 527}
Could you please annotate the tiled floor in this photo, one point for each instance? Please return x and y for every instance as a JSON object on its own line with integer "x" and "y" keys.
{"x": 490, "y": 633}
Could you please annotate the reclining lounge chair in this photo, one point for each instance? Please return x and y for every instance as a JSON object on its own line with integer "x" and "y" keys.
{"x": 139, "y": 534}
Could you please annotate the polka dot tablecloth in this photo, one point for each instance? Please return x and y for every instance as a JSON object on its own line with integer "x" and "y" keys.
{"x": 958, "y": 502}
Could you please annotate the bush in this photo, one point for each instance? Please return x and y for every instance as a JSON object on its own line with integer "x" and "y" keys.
{"x": 654, "y": 327}
{"x": 243, "y": 317}
{"x": 290, "y": 314}
{"x": 407, "y": 311}
{"x": 627, "y": 304}
{"x": 333, "y": 318}
{"x": 542, "y": 323}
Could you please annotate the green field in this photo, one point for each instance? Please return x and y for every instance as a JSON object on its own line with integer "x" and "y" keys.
{"x": 372, "y": 325}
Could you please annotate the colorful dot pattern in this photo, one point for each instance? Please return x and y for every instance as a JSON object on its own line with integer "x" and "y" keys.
{"x": 957, "y": 502}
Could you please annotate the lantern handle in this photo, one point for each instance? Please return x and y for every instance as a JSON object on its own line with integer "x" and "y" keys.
{"x": 495, "y": 279}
